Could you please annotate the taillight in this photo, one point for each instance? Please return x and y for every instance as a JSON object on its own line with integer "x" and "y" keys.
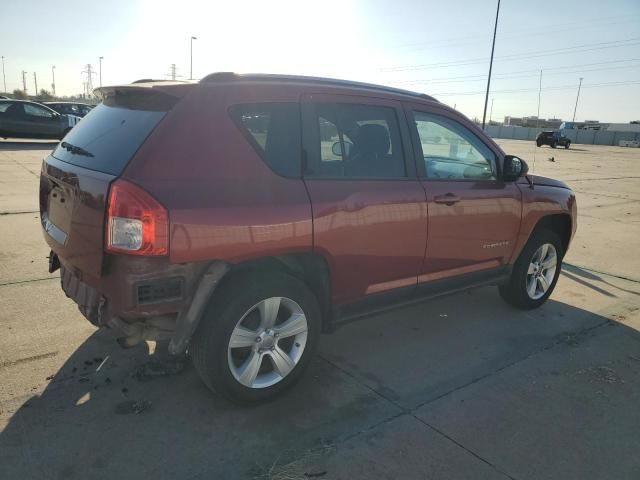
{"x": 136, "y": 223}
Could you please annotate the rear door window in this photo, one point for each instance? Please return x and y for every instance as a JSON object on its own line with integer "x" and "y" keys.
{"x": 274, "y": 131}
{"x": 107, "y": 138}
{"x": 355, "y": 141}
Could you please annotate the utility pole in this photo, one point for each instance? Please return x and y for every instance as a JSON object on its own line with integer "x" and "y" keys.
{"x": 493, "y": 46}
{"x": 491, "y": 111}
{"x": 24, "y": 82}
{"x": 191, "y": 54}
{"x": 35, "y": 81}
{"x": 173, "y": 71}
{"x": 100, "y": 60}
{"x": 577, "y": 97}
{"x": 4, "y": 79}
{"x": 53, "y": 79}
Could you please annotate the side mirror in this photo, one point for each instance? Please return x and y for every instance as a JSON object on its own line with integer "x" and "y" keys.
{"x": 513, "y": 168}
{"x": 336, "y": 149}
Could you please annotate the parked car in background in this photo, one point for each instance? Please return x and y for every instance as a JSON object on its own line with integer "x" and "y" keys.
{"x": 70, "y": 108}
{"x": 553, "y": 139}
{"x": 25, "y": 119}
{"x": 239, "y": 217}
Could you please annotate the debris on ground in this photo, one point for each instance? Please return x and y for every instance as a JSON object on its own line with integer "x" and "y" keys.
{"x": 101, "y": 361}
{"x": 155, "y": 369}
{"x": 602, "y": 374}
{"x": 132, "y": 406}
{"x": 552, "y": 159}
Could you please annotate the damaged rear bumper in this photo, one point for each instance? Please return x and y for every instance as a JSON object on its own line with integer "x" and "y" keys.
{"x": 146, "y": 303}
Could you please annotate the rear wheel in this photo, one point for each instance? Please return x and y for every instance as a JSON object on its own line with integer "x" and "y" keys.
{"x": 539, "y": 144}
{"x": 536, "y": 271}
{"x": 257, "y": 336}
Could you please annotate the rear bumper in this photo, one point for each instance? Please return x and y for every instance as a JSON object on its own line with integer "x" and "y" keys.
{"x": 139, "y": 303}
{"x": 89, "y": 300}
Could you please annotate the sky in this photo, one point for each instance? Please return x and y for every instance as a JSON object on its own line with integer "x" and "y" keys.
{"x": 440, "y": 48}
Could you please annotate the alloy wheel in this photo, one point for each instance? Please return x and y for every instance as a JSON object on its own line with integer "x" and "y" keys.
{"x": 267, "y": 342}
{"x": 541, "y": 271}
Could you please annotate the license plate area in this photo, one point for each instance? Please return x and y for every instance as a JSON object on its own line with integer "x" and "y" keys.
{"x": 60, "y": 212}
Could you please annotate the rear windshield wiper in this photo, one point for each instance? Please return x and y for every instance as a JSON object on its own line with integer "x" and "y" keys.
{"x": 76, "y": 150}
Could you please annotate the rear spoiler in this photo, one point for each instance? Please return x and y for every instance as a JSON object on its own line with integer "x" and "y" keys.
{"x": 171, "y": 88}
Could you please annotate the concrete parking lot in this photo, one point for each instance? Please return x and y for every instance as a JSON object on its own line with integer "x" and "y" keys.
{"x": 462, "y": 387}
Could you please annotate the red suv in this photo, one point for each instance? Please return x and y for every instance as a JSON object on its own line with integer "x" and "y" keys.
{"x": 242, "y": 216}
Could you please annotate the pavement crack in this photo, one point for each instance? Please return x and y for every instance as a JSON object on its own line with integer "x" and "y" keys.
{"x": 33, "y": 358}
{"x": 19, "y": 282}
{"x": 468, "y": 450}
{"x": 19, "y": 212}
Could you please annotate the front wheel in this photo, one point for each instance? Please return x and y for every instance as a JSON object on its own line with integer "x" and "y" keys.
{"x": 554, "y": 144}
{"x": 567, "y": 145}
{"x": 256, "y": 337}
{"x": 536, "y": 272}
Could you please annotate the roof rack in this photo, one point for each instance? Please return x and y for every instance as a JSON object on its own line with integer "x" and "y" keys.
{"x": 230, "y": 76}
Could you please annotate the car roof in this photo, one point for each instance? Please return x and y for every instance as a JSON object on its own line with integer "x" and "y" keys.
{"x": 67, "y": 103}
{"x": 31, "y": 102}
{"x": 307, "y": 80}
{"x": 179, "y": 88}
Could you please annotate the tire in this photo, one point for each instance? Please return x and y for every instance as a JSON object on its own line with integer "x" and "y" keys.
{"x": 567, "y": 145}
{"x": 517, "y": 291}
{"x": 539, "y": 144}
{"x": 242, "y": 302}
{"x": 554, "y": 144}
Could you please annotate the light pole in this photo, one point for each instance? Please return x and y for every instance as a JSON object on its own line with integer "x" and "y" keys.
{"x": 100, "y": 61}
{"x": 53, "y": 79}
{"x": 24, "y": 82}
{"x": 35, "y": 81}
{"x": 491, "y": 111}
{"x": 191, "y": 54}
{"x": 577, "y": 97}
{"x": 493, "y": 45}
{"x": 4, "y": 79}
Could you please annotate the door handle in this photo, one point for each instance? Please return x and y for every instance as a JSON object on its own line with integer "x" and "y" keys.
{"x": 447, "y": 199}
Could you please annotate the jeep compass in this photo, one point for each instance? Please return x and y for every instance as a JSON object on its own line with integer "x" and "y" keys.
{"x": 239, "y": 217}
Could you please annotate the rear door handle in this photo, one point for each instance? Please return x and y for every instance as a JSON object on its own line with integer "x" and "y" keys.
{"x": 447, "y": 199}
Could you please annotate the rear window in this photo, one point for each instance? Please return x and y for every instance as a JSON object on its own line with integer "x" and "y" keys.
{"x": 274, "y": 131}
{"x": 107, "y": 138}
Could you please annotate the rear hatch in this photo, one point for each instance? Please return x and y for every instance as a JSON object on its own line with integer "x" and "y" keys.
{"x": 75, "y": 178}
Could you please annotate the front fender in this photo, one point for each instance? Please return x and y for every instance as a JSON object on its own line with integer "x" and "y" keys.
{"x": 539, "y": 202}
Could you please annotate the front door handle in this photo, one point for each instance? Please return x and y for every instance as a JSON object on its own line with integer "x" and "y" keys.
{"x": 447, "y": 199}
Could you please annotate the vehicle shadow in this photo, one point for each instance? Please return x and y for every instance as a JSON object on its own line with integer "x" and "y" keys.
{"x": 101, "y": 416}
{"x": 14, "y": 146}
{"x": 586, "y": 278}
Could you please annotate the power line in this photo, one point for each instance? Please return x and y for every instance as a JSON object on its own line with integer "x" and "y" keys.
{"x": 519, "y": 90}
{"x": 503, "y": 76}
{"x": 517, "y": 33}
{"x": 518, "y": 56}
